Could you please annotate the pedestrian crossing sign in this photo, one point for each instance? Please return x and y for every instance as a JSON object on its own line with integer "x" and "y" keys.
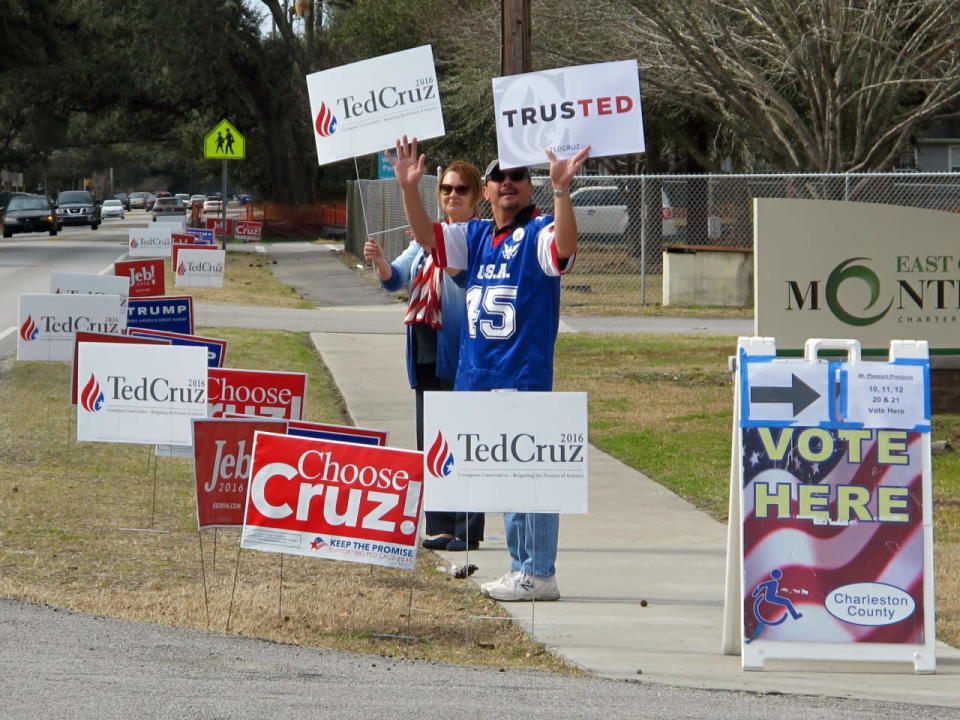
{"x": 224, "y": 142}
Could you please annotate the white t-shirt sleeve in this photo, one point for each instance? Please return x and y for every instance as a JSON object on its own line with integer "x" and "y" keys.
{"x": 547, "y": 253}
{"x": 451, "y": 249}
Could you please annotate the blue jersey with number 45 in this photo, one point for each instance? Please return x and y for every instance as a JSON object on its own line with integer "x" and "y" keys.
{"x": 513, "y": 302}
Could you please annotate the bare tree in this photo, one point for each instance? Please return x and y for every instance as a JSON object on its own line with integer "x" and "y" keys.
{"x": 808, "y": 85}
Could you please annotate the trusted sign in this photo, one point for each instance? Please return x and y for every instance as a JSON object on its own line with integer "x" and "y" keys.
{"x": 355, "y": 503}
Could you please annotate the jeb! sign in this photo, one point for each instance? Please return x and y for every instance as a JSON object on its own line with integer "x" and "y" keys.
{"x": 139, "y": 393}
{"x": 173, "y": 313}
{"x": 331, "y": 500}
{"x": 222, "y": 456}
{"x": 362, "y": 108}
{"x": 505, "y": 451}
{"x": 48, "y": 323}
{"x": 257, "y": 392}
{"x": 146, "y": 276}
{"x": 567, "y": 108}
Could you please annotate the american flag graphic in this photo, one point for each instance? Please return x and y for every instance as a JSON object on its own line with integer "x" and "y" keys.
{"x": 818, "y": 557}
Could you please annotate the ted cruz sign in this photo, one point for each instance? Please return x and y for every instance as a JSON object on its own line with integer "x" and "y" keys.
{"x": 47, "y": 323}
{"x": 362, "y": 108}
{"x": 139, "y": 393}
{"x": 505, "y": 451}
{"x": 257, "y": 392}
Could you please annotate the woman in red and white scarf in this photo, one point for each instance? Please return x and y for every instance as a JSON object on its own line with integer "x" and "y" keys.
{"x": 435, "y": 314}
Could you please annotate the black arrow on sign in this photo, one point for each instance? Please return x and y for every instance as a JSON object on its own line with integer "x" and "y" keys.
{"x": 799, "y": 394}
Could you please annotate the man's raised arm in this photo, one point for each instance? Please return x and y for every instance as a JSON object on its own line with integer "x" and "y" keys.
{"x": 561, "y": 176}
{"x": 409, "y": 168}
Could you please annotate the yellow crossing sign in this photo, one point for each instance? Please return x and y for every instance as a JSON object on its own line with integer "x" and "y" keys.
{"x": 224, "y": 142}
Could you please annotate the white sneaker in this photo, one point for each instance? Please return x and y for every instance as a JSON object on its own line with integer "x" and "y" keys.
{"x": 485, "y": 587}
{"x": 523, "y": 588}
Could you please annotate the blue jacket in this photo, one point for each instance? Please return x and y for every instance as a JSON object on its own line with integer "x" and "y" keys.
{"x": 453, "y": 310}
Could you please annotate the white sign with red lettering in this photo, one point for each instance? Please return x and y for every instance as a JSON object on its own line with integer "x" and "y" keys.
{"x": 505, "y": 451}
{"x": 199, "y": 267}
{"x": 222, "y": 456}
{"x": 339, "y": 501}
{"x": 248, "y": 230}
{"x": 68, "y": 283}
{"x": 48, "y": 323}
{"x": 567, "y": 108}
{"x": 266, "y": 393}
{"x": 152, "y": 241}
{"x": 140, "y": 393}
{"x": 362, "y": 108}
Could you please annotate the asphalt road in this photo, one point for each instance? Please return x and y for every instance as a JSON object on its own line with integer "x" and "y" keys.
{"x": 60, "y": 664}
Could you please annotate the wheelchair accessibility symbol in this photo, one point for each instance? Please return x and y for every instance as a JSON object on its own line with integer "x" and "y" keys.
{"x": 766, "y": 596}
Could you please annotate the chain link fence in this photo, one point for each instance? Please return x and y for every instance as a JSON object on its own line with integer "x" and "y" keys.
{"x": 627, "y": 221}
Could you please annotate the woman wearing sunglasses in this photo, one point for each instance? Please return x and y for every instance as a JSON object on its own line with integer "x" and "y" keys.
{"x": 434, "y": 317}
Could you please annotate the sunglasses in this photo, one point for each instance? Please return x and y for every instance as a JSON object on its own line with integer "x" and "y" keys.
{"x": 461, "y": 189}
{"x": 499, "y": 175}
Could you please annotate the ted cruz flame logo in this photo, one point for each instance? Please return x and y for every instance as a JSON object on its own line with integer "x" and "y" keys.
{"x": 439, "y": 457}
{"x": 182, "y": 268}
{"x": 326, "y": 122}
{"x": 91, "y": 399}
{"x": 29, "y": 331}
{"x": 134, "y": 243}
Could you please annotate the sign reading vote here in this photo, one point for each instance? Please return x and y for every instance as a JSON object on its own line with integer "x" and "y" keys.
{"x": 505, "y": 451}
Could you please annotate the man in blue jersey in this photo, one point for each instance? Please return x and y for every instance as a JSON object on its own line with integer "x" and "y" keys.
{"x": 513, "y": 264}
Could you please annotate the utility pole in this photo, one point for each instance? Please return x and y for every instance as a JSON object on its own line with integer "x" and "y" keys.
{"x": 515, "y": 37}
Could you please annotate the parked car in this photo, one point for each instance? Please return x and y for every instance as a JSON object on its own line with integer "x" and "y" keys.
{"x": 166, "y": 206}
{"x": 212, "y": 204}
{"x": 602, "y": 213}
{"x": 112, "y": 208}
{"x": 123, "y": 198}
{"x": 138, "y": 200}
{"x": 77, "y": 207}
{"x": 183, "y": 199}
{"x": 29, "y": 213}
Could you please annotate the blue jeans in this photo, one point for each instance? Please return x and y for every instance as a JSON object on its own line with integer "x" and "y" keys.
{"x": 532, "y": 542}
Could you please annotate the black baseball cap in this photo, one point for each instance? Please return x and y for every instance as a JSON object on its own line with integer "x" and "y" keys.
{"x": 495, "y": 166}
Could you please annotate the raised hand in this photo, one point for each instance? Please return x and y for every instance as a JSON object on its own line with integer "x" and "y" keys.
{"x": 563, "y": 171}
{"x": 406, "y": 164}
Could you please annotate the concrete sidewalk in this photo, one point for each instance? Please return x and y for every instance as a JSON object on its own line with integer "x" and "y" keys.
{"x": 638, "y": 542}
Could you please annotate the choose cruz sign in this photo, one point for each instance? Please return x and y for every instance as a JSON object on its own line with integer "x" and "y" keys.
{"x": 844, "y": 269}
{"x": 565, "y": 109}
{"x": 362, "y": 108}
{"x": 257, "y": 392}
{"x": 505, "y": 451}
{"x": 140, "y": 393}
{"x": 355, "y": 503}
{"x": 48, "y": 323}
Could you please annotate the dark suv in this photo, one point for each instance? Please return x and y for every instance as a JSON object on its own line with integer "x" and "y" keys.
{"x": 29, "y": 213}
{"x": 77, "y": 207}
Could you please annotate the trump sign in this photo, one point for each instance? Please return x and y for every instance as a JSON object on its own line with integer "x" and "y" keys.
{"x": 355, "y": 503}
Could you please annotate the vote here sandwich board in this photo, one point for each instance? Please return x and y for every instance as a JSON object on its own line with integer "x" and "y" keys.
{"x": 830, "y": 552}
